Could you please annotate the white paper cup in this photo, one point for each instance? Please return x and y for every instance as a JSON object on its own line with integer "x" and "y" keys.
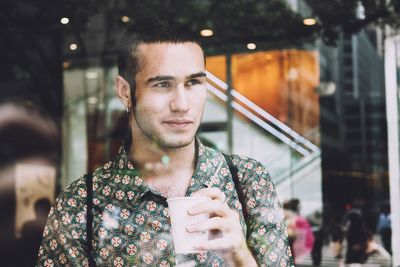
{"x": 184, "y": 242}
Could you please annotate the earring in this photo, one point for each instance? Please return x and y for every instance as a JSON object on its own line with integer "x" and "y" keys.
{"x": 128, "y": 109}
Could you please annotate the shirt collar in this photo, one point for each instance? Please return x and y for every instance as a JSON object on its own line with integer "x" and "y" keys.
{"x": 209, "y": 162}
{"x": 209, "y": 165}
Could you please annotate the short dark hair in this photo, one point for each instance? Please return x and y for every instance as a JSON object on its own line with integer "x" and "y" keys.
{"x": 128, "y": 60}
{"x": 292, "y": 204}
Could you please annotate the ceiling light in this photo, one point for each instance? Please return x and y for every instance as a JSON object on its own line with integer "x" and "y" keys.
{"x": 251, "y": 46}
{"x": 66, "y": 64}
{"x": 73, "y": 47}
{"x": 92, "y": 100}
{"x": 92, "y": 74}
{"x": 64, "y": 20}
{"x": 293, "y": 74}
{"x": 125, "y": 19}
{"x": 360, "y": 11}
{"x": 206, "y": 33}
{"x": 309, "y": 21}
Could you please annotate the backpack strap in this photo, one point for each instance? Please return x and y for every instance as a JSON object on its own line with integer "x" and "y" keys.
{"x": 89, "y": 219}
{"x": 238, "y": 187}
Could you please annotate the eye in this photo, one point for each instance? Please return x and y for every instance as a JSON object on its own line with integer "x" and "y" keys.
{"x": 163, "y": 84}
{"x": 193, "y": 82}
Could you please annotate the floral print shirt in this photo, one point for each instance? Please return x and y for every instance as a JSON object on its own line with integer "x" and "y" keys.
{"x": 131, "y": 225}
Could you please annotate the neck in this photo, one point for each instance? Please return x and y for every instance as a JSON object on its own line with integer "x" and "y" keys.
{"x": 154, "y": 160}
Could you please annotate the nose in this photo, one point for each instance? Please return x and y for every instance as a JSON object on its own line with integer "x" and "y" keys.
{"x": 180, "y": 101}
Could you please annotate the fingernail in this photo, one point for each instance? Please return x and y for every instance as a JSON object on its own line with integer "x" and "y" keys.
{"x": 190, "y": 228}
{"x": 191, "y": 211}
{"x": 223, "y": 198}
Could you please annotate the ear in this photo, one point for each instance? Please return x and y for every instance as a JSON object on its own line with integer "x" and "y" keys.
{"x": 123, "y": 91}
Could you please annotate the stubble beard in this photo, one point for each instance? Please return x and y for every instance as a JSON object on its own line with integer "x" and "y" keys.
{"x": 162, "y": 140}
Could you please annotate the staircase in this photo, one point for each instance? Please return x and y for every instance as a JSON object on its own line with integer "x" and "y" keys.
{"x": 294, "y": 162}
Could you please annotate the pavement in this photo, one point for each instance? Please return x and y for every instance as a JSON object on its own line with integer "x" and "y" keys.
{"x": 328, "y": 260}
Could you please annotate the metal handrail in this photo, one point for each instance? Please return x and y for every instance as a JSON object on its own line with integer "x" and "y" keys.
{"x": 299, "y": 165}
{"x": 293, "y": 144}
{"x": 261, "y": 112}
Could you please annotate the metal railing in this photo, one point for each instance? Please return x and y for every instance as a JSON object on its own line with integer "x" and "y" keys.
{"x": 262, "y": 118}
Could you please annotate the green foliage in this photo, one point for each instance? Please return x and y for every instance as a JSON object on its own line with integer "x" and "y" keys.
{"x": 337, "y": 16}
{"x": 234, "y": 22}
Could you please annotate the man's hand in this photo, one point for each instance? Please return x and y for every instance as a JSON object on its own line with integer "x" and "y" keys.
{"x": 232, "y": 244}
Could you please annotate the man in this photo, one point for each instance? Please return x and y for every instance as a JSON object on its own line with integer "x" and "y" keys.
{"x": 162, "y": 84}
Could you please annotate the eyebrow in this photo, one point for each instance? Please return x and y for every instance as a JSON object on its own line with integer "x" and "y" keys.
{"x": 196, "y": 75}
{"x": 159, "y": 78}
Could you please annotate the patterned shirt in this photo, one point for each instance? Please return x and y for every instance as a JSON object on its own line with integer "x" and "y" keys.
{"x": 131, "y": 225}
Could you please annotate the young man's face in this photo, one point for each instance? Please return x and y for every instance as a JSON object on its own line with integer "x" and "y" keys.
{"x": 170, "y": 93}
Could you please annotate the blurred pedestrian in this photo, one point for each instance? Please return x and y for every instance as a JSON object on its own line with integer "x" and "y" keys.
{"x": 32, "y": 231}
{"x": 300, "y": 232}
{"x": 376, "y": 254}
{"x": 384, "y": 227}
{"x": 336, "y": 237}
{"x": 357, "y": 234}
{"x": 316, "y": 252}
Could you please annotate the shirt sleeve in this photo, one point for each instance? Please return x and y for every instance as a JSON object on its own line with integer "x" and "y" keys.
{"x": 64, "y": 235}
{"x": 266, "y": 234}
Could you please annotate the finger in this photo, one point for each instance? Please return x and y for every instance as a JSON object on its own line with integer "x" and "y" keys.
{"x": 215, "y": 244}
{"x": 212, "y": 192}
{"x": 215, "y": 223}
{"x": 212, "y": 207}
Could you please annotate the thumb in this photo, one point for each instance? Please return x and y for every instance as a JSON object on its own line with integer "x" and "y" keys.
{"x": 211, "y": 192}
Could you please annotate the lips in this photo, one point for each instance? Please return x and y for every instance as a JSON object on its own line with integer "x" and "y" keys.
{"x": 178, "y": 123}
